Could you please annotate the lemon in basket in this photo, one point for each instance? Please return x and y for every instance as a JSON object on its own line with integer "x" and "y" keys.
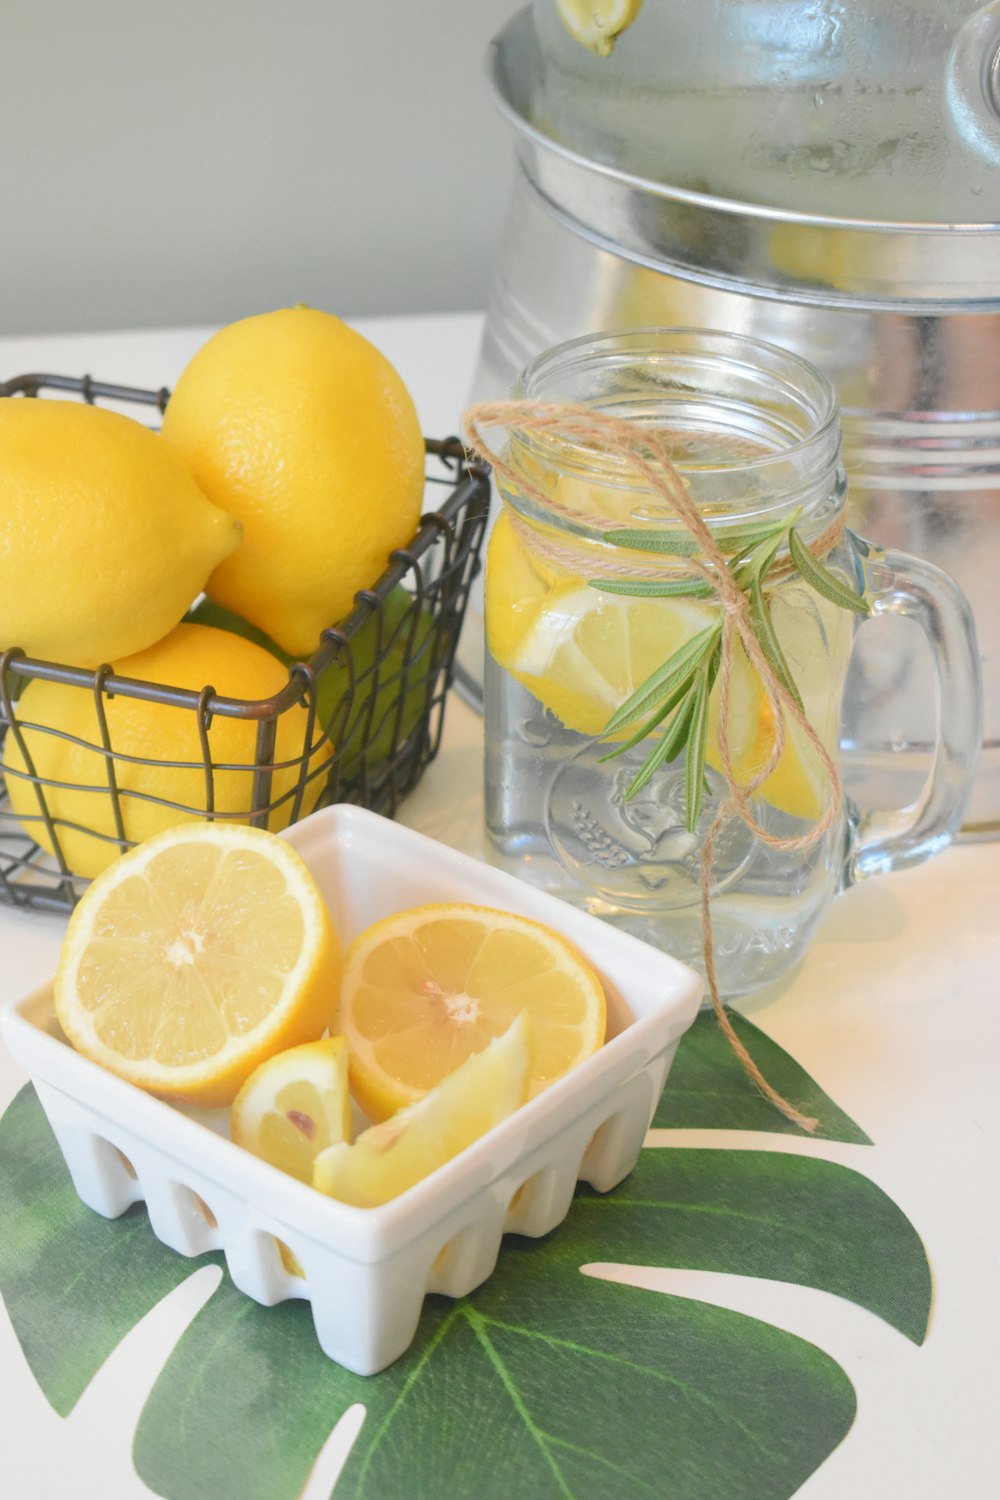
{"x": 194, "y": 958}
{"x": 157, "y": 754}
{"x": 398, "y": 640}
{"x": 301, "y": 428}
{"x": 425, "y": 989}
{"x": 105, "y": 538}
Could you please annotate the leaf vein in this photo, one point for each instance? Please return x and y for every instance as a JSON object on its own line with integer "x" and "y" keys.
{"x": 405, "y": 1389}
{"x": 629, "y": 1364}
{"x": 478, "y": 1323}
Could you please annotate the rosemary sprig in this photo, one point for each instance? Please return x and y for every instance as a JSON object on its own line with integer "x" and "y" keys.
{"x": 651, "y": 588}
{"x": 822, "y": 580}
{"x": 675, "y": 672}
{"x": 677, "y": 694}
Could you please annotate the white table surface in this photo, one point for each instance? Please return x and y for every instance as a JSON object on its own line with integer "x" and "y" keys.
{"x": 895, "y": 1013}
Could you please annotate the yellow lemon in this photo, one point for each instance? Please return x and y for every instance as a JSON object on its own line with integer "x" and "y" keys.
{"x": 158, "y": 751}
{"x": 597, "y": 24}
{"x": 105, "y": 538}
{"x": 295, "y": 1105}
{"x": 390, "y": 1157}
{"x": 815, "y": 637}
{"x": 581, "y": 653}
{"x": 301, "y": 428}
{"x": 425, "y": 989}
{"x": 194, "y": 958}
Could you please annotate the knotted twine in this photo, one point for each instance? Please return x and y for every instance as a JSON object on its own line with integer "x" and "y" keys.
{"x": 645, "y": 449}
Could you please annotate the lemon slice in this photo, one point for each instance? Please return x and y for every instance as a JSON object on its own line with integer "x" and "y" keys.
{"x": 295, "y": 1105}
{"x": 194, "y": 957}
{"x": 425, "y": 989}
{"x": 815, "y": 637}
{"x": 581, "y": 653}
{"x": 597, "y": 24}
{"x": 390, "y": 1157}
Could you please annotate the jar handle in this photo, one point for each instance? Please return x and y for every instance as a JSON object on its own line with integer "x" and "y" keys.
{"x": 898, "y": 584}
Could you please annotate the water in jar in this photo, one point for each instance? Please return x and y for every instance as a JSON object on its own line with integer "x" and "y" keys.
{"x": 561, "y": 657}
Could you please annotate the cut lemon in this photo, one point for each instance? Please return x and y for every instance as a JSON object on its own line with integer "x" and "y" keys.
{"x": 194, "y": 957}
{"x": 425, "y": 989}
{"x": 815, "y": 638}
{"x": 295, "y": 1105}
{"x": 581, "y": 653}
{"x": 597, "y": 24}
{"x": 389, "y": 1158}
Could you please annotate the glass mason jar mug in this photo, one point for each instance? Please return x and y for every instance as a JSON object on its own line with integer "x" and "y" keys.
{"x": 606, "y": 737}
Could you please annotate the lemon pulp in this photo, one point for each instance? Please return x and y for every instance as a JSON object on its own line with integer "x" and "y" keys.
{"x": 426, "y": 989}
{"x": 196, "y": 956}
{"x": 392, "y": 1156}
{"x": 295, "y": 1105}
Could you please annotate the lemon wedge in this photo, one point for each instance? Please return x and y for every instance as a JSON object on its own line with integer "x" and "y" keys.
{"x": 581, "y": 653}
{"x": 815, "y": 637}
{"x": 597, "y": 24}
{"x": 392, "y": 1156}
{"x": 294, "y": 1106}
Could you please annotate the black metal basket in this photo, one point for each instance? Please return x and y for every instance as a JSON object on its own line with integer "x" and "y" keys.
{"x": 367, "y": 708}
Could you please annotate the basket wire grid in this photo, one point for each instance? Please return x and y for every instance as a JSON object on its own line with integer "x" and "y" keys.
{"x": 370, "y": 702}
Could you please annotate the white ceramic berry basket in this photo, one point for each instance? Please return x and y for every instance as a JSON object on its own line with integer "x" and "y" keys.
{"x": 366, "y": 1271}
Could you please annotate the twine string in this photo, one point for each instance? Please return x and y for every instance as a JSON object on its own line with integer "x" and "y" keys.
{"x": 645, "y": 450}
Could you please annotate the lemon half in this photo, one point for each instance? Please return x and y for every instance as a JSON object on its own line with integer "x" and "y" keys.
{"x": 425, "y": 989}
{"x": 196, "y": 956}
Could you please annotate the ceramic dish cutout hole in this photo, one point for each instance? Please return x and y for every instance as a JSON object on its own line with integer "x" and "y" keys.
{"x": 290, "y": 1262}
{"x": 203, "y": 1208}
{"x": 127, "y": 1165}
{"x": 598, "y": 1141}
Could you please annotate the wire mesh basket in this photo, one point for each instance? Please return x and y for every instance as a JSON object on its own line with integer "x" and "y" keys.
{"x": 357, "y": 722}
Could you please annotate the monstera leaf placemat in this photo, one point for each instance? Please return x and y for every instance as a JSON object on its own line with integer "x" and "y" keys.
{"x": 542, "y": 1383}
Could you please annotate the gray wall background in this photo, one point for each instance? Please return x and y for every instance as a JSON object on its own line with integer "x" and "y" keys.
{"x": 193, "y": 161}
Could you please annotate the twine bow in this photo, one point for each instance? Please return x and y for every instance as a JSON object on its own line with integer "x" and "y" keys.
{"x": 646, "y": 450}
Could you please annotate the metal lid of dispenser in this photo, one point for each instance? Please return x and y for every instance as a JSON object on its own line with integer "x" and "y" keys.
{"x": 833, "y": 153}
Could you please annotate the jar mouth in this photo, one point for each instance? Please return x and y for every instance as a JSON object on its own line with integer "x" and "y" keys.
{"x": 753, "y": 429}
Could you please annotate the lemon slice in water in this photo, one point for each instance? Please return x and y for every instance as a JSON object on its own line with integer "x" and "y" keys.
{"x": 597, "y": 24}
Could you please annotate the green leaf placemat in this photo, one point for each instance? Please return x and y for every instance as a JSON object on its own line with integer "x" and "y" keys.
{"x": 709, "y": 1090}
{"x": 544, "y": 1382}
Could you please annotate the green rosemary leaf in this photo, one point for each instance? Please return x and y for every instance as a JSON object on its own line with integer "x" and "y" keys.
{"x": 759, "y": 559}
{"x": 651, "y": 588}
{"x": 822, "y": 580}
{"x": 737, "y": 538}
{"x": 694, "y": 757}
{"x": 764, "y": 631}
{"x": 675, "y": 671}
{"x": 648, "y": 725}
{"x": 672, "y": 543}
{"x": 668, "y": 747}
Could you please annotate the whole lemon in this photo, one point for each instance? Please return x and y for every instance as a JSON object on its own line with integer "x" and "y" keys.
{"x": 301, "y": 428}
{"x": 369, "y": 732}
{"x": 142, "y": 735}
{"x": 105, "y": 538}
